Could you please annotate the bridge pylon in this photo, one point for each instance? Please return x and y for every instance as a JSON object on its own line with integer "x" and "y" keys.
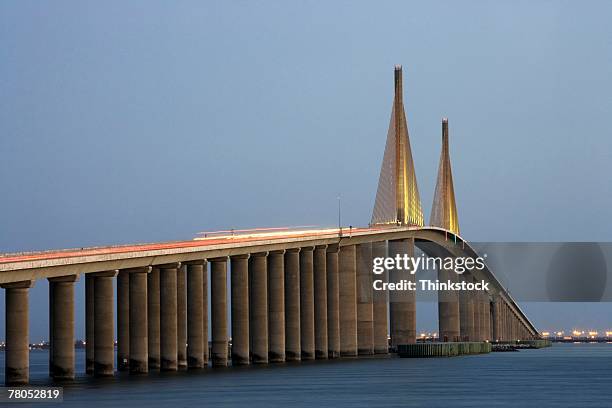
{"x": 397, "y": 198}
{"x": 444, "y": 208}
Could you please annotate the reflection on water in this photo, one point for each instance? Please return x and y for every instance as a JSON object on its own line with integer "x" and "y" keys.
{"x": 565, "y": 374}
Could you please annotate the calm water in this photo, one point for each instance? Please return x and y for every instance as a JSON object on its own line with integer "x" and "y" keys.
{"x": 563, "y": 375}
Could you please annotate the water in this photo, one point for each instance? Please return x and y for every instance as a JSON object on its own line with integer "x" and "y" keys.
{"x": 563, "y": 375}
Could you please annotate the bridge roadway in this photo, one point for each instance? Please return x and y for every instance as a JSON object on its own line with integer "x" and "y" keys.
{"x": 296, "y": 294}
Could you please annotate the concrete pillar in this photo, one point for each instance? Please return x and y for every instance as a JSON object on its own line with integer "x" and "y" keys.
{"x": 307, "y": 334}
{"x": 276, "y": 306}
{"x": 487, "y": 317}
{"x": 196, "y": 338}
{"x": 402, "y": 304}
{"x": 380, "y": 309}
{"x": 51, "y": 302}
{"x": 138, "y": 335}
{"x": 293, "y": 349}
{"x": 181, "y": 316}
{"x": 89, "y": 323}
{"x": 258, "y": 304}
{"x": 153, "y": 318}
{"x": 333, "y": 302}
{"x": 448, "y": 308}
{"x": 17, "y": 354}
{"x": 502, "y": 320}
{"x": 168, "y": 316}
{"x": 104, "y": 322}
{"x": 123, "y": 320}
{"x": 61, "y": 293}
{"x": 466, "y": 312}
{"x": 365, "y": 302}
{"x": 319, "y": 263}
{"x": 205, "y": 311}
{"x": 240, "y": 309}
{"x": 218, "y": 293}
{"x": 477, "y": 335}
{"x": 496, "y": 322}
{"x": 348, "y": 300}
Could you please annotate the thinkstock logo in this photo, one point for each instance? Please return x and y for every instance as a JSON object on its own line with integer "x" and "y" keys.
{"x": 413, "y": 263}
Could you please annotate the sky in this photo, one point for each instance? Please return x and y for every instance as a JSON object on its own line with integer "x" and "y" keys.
{"x": 147, "y": 121}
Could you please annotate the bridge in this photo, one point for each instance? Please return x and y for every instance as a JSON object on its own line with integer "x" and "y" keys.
{"x": 296, "y": 294}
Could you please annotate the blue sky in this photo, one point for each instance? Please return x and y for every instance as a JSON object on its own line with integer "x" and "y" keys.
{"x": 145, "y": 121}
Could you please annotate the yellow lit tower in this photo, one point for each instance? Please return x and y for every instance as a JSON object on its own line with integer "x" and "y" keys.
{"x": 444, "y": 208}
{"x": 397, "y": 198}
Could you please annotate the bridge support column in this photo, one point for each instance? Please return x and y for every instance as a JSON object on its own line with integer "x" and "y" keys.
{"x": 348, "y": 300}
{"x": 293, "y": 347}
{"x": 258, "y": 279}
{"x": 276, "y": 306}
{"x": 487, "y": 317}
{"x": 17, "y": 353}
{"x": 448, "y": 308}
{"x": 197, "y": 339}
{"x": 483, "y": 316}
{"x": 496, "y": 321}
{"x": 365, "y": 304}
{"x": 240, "y": 309}
{"x": 307, "y": 334}
{"x": 104, "y": 339}
{"x": 218, "y": 291}
{"x": 478, "y": 316}
{"x": 123, "y": 320}
{"x": 466, "y": 312}
{"x": 181, "y": 316}
{"x": 333, "y": 302}
{"x": 504, "y": 321}
{"x": 320, "y": 301}
{"x": 61, "y": 292}
{"x": 168, "y": 316}
{"x": 380, "y": 300}
{"x": 89, "y": 323}
{"x": 402, "y": 303}
{"x": 138, "y": 350}
{"x": 153, "y": 318}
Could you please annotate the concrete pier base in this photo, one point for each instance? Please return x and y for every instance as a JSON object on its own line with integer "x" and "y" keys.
{"x": 466, "y": 312}
{"x": 168, "y": 316}
{"x": 319, "y": 262}
{"x": 258, "y": 307}
{"x": 181, "y": 316}
{"x": 448, "y": 309}
{"x": 218, "y": 290}
{"x": 348, "y": 300}
{"x": 89, "y": 323}
{"x": 123, "y": 320}
{"x": 240, "y": 309}
{"x": 380, "y": 309}
{"x": 333, "y": 302}
{"x": 153, "y": 319}
{"x": 293, "y": 349}
{"x": 104, "y": 343}
{"x": 61, "y": 291}
{"x": 195, "y": 314}
{"x": 276, "y": 306}
{"x": 17, "y": 353}
{"x": 402, "y": 304}
{"x": 138, "y": 351}
{"x": 307, "y": 335}
{"x": 365, "y": 302}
